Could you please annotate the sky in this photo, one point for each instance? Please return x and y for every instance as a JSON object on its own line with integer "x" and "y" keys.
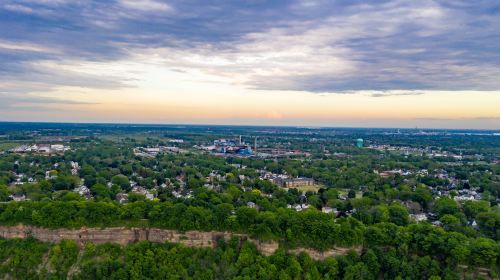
{"x": 337, "y": 63}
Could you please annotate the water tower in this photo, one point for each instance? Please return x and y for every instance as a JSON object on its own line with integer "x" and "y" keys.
{"x": 359, "y": 143}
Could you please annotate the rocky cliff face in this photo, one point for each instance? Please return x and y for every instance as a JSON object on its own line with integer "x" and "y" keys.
{"x": 124, "y": 236}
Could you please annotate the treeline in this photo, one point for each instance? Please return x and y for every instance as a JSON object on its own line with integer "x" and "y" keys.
{"x": 307, "y": 228}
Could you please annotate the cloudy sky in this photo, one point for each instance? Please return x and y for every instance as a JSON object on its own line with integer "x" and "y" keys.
{"x": 369, "y": 63}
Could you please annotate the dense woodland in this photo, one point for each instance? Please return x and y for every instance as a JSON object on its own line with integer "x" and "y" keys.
{"x": 216, "y": 192}
{"x": 31, "y": 259}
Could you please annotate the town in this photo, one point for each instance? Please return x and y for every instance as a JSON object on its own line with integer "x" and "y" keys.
{"x": 262, "y": 166}
{"x": 269, "y": 183}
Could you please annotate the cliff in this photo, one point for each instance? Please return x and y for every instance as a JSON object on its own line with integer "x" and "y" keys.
{"x": 124, "y": 236}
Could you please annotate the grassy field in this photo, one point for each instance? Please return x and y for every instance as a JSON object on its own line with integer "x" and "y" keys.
{"x": 137, "y": 137}
{"x": 313, "y": 188}
{"x": 344, "y": 191}
{"x": 7, "y": 145}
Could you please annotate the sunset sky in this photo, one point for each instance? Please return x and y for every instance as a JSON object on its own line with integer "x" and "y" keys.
{"x": 422, "y": 63}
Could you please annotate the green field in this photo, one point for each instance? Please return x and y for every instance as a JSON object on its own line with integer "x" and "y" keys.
{"x": 313, "y": 188}
{"x": 7, "y": 145}
{"x": 136, "y": 137}
{"x": 346, "y": 191}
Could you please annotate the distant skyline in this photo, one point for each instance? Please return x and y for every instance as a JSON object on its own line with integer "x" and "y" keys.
{"x": 324, "y": 63}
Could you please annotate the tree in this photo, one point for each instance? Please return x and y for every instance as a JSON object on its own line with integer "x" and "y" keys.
{"x": 358, "y": 271}
{"x": 371, "y": 261}
{"x": 489, "y": 224}
{"x": 445, "y": 206}
{"x": 483, "y": 252}
{"x": 351, "y": 194}
{"x": 331, "y": 268}
{"x": 4, "y": 193}
{"x": 133, "y": 197}
{"x": 423, "y": 196}
{"x": 101, "y": 192}
{"x": 70, "y": 196}
{"x": 122, "y": 181}
{"x": 450, "y": 222}
{"x": 472, "y": 208}
{"x": 398, "y": 214}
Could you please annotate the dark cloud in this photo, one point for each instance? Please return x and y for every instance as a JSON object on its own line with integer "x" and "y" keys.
{"x": 309, "y": 45}
{"x": 24, "y": 102}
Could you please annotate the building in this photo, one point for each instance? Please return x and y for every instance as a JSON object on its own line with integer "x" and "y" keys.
{"x": 57, "y": 148}
{"x": 41, "y": 149}
{"x": 286, "y": 182}
{"x": 252, "y": 205}
{"x": 17, "y": 197}
{"x": 297, "y": 182}
{"x": 328, "y": 210}
{"x": 143, "y": 191}
{"x": 230, "y": 147}
{"x": 418, "y": 217}
{"x": 122, "y": 197}
{"x": 83, "y": 191}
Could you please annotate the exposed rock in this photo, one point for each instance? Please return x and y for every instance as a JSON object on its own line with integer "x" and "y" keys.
{"x": 124, "y": 236}
{"x": 320, "y": 255}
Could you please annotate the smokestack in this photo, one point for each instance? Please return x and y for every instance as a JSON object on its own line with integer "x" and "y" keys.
{"x": 240, "y": 140}
{"x": 255, "y": 145}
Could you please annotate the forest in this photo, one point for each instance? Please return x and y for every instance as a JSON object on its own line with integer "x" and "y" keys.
{"x": 31, "y": 259}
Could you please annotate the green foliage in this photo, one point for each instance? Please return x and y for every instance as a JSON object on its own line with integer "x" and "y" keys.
{"x": 445, "y": 206}
{"x": 4, "y": 193}
{"x": 21, "y": 258}
{"x": 62, "y": 256}
{"x": 398, "y": 214}
{"x": 101, "y": 192}
{"x": 394, "y": 247}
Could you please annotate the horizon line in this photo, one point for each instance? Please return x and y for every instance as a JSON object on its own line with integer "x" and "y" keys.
{"x": 241, "y": 125}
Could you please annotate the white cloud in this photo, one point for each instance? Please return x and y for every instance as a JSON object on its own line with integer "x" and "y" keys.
{"x": 25, "y": 47}
{"x": 18, "y": 8}
{"x": 146, "y": 5}
{"x": 287, "y": 57}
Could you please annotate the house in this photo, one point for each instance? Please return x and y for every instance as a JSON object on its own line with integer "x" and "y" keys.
{"x": 51, "y": 174}
{"x": 300, "y": 207}
{"x": 17, "y": 197}
{"x": 329, "y": 210}
{"x": 74, "y": 168}
{"x": 143, "y": 191}
{"x": 252, "y": 205}
{"x": 177, "y": 194}
{"x": 413, "y": 207}
{"x": 418, "y": 217}
{"x": 122, "y": 197}
{"x": 83, "y": 191}
{"x": 437, "y": 223}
